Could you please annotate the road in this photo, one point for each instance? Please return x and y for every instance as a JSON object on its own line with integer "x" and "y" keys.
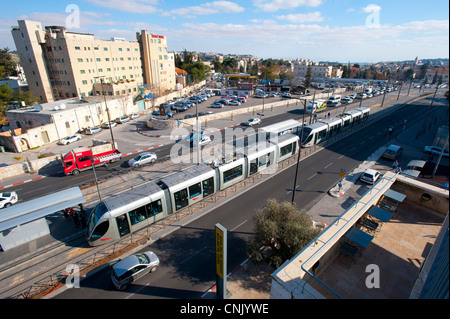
{"x": 127, "y": 133}
{"x": 187, "y": 255}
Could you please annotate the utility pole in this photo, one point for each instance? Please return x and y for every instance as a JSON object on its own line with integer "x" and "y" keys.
{"x": 294, "y": 189}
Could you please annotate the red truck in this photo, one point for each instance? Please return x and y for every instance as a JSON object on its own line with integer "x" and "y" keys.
{"x": 80, "y": 159}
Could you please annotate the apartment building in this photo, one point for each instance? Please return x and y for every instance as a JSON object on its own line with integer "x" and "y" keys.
{"x": 158, "y": 63}
{"x": 317, "y": 70}
{"x": 60, "y": 64}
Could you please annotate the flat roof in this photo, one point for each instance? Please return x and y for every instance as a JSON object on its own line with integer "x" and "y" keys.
{"x": 186, "y": 175}
{"x": 34, "y": 209}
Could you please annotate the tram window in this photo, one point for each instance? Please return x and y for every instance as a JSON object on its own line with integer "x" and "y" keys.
{"x": 137, "y": 215}
{"x": 233, "y": 173}
{"x": 100, "y": 230}
{"x": 320, "y": 135}
{"x": 208, "y": 187}
{"x": 181, "y": 199}
{"x": 122, "y": 225}
{"x": 195, "y": 190}
{"x": 254, "y": 166}
{"x": 286, "y": 150}
{"x": 154, "y": 208}
{"x": 262, "y": 160}
{"x": 347, "y": 123}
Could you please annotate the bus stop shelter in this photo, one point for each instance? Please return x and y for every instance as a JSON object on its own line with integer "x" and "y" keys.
{"x": 25, "y": 222}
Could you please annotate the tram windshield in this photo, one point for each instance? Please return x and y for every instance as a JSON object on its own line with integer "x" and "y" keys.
{"x": 306, "y": 138}
{"x": 96, "y": 214}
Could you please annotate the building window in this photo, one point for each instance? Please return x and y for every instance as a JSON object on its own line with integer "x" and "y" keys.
{"x": 80, "y": 60}
{"x": 77, "y": 48}
{"x": 105, "y": 49}
{"x": 82, "y": 71}
{"x": 84, "y": 82}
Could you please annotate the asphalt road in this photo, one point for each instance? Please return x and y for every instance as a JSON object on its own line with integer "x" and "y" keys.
{"x": 59, "y": 181}
{"x": 187, "y": 255}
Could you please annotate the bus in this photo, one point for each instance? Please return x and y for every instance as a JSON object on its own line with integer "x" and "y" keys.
{"x": 316, "y": 106}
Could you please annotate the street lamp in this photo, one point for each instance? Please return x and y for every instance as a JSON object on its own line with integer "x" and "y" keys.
{"x": 294, "y": 189}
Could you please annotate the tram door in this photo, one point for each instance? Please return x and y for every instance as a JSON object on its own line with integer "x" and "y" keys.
{"x": 122, "y": 225}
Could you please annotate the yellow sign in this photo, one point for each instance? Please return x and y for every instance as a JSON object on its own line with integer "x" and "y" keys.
{"x": 219, "y": 252}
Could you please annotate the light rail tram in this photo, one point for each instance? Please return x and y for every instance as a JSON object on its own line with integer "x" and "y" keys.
{"x": 125, "y": 213}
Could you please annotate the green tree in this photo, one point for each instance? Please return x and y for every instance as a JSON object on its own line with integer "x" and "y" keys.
{"x": 281, "y": 231}
{"x": 7, "y": 64}
{"x": 308, "y": 78}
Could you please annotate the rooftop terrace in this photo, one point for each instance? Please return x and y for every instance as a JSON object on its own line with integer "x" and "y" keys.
{"x": 330, "y": 268}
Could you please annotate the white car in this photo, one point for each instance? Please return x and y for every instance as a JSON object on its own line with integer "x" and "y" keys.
{"x": 234, "y": 102}
{"x": 370, "y": 176}
{"x": 142, "y": 159}
{"x": 435, "y": 150}
{"x": 109, "y": 124}
{"x": 7, "y": 199}
{"x": 203, "y": 140}
{"x": 69, "y": 139}
{"x": 134, "y": 116}
{"x": 252, "y": 121}
{"x": 123, "y": 119}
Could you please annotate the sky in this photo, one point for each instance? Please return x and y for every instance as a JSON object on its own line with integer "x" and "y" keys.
{"x": 320, "y": 30}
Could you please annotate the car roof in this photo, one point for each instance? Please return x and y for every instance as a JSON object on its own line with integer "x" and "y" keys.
{"x": 125, "y": 264}
{"x": 371, "y": 171}
{"x": 393, "y": 147}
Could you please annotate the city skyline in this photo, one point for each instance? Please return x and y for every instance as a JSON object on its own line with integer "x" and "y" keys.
{"x": 320, "y": 30}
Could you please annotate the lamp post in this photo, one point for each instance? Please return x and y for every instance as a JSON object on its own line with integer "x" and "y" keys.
{"x": 294, "y": 189}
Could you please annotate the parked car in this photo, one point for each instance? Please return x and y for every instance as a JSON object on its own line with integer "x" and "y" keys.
{"x": 180, "y": 108}
{"x": 109, "y": 124}
{"x": 370, "y": 176}
{"x": 7, "y": 199}
{"x": 216, "y": 105}
{"x": 70, "y": 139}
{"x": 434, "y": 150}
{"x": 123, "y": 119}
{"x": 252, "y": 121}
{"x": 93, "y": 130}
{"x": 143, "y": 159}
{"x": 346, "y": 100}
{"x": 133, "y": 267}
{"x": 134, "y": 116}
{"x": 393, "y": 152}
{"x": 234, "y": 103}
